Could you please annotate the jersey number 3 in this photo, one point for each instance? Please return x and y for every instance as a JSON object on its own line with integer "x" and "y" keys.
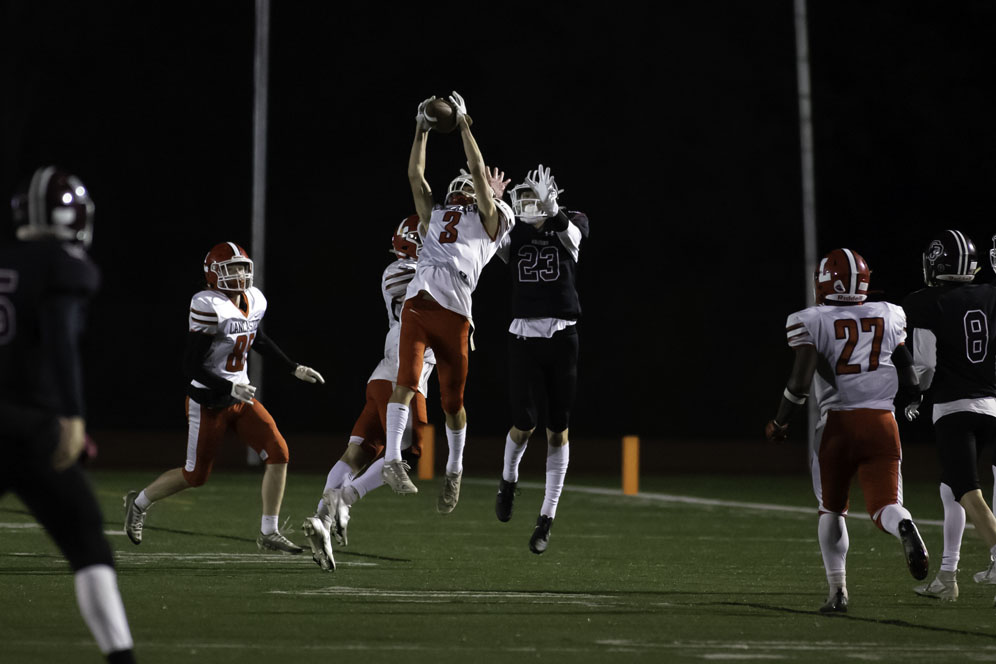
{"x": 449, "y": 234}
{"x": 847, "y": 328}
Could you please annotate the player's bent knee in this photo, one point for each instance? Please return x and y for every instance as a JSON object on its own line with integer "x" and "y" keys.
{"x": 452, "y": 404}
{"x": 196, "y": 477}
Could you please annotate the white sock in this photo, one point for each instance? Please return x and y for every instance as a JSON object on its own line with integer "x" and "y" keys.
{"x": 337, "y": 476}
{"x": 142, "y": 501}
{"x": 834, "y": 543}
{"x": 890, "y": 516}
{"x": 513, "y": 455}
{"x": 557, "y": 459}
{"x": 455, "y": 440}
{"x": 102, "y": 609}
{"x": 397, "y": 419}
{"x": 365, "y": 483}
{"x": 954, "y": 528}
{"x": 992, "y": 553}
{"x": 268, "y": 524}
{"x": 994, "y": 488}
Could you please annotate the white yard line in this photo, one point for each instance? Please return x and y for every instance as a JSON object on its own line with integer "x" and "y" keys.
{"x": 688, "y": 500}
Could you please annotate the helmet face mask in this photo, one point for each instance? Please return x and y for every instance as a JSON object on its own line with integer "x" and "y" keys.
{"x": 228, "y": 268}
{"x": 843, "y": 277}
{"x": 526, "y": 204}
{"x": 461, "y": 190}
{"x": 55, "y": 204}
{"x": 950, "y": 257}
{"x": 406, "y": 241}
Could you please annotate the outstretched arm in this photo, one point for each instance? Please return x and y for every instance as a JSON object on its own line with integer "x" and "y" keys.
{"x": 475, "y": 162}
{"x": 421, "y": 191}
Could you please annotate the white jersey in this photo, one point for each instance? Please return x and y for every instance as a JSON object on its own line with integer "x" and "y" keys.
{"x": 394, "y": 284}
{"x": 456, "y": 248}
{"x": 856, "y": 345}
{"x": 233, "y": 331}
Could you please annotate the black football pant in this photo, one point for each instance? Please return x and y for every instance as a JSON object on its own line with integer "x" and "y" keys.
{"x": 960, "y": 439}
{"x": 64, "y": 503}
{"x": 543, "y": 367}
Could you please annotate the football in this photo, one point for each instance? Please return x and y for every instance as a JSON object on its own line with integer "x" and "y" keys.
{"x": 441, "y": 115}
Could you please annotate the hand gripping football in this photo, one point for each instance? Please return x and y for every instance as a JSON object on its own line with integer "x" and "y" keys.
{"x": 440, "y": 115}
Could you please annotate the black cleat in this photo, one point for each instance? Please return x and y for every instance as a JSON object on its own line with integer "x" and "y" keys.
{"x": 836, "y": 603}
{"x": 541, "y": 534}
{"x": 915, "y": 550}
{"x": 503, "y": 503}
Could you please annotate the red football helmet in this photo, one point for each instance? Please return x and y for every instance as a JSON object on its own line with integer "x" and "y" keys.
{"x": 843, "y": 276}
{"x": 54, "y": 204}
{"x": 407, "y": 241}
{"x": 227, "y": 268}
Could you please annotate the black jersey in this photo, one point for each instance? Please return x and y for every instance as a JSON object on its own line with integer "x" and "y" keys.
{"x": 544, "y": 270}
{"x": 963, "y": 320}
{"x": 44, "y": 288}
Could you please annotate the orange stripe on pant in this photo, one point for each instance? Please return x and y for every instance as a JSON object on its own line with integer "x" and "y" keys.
{"x": 206, "y": 429}
{"x": 862, "y": 442}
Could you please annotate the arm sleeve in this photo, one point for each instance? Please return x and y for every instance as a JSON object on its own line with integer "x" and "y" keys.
{"x": 265, "y": 346}
{"x": 61, "y": 318}
{"x": 924, "y": 356}
{"x": 194, "y": 359}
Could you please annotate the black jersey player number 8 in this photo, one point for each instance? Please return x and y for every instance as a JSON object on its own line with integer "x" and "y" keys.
{"x": 976, "y": 335}
{"x": 8, "y": 284}
{"x": 847, "y": 328}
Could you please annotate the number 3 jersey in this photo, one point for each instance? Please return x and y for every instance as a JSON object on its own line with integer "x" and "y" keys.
{"x": 233, "y": 330}
{"x": 455, "y": 249}
{"x": 855, "y": 344}
{"x": 953, "y": 329}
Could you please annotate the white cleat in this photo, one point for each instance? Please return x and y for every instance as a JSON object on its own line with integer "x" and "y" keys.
{"x": 277, "y": 542}
{"x": 321, "y": 545}
{"x": 134, "y": 520}
{"x": 944, "y": 586}
{"x": 395, "y": 475}
{"x": 339, "y": 512}
{"x": 449, "y": 495}
{"x": 988, "y": 576}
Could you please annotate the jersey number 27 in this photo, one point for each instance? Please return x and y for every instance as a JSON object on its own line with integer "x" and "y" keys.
{"x": 847, "y": 329}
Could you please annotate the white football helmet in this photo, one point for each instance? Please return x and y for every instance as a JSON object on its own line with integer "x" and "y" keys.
{"x": 461, "y": 186}
{"x": 525, "y": 203}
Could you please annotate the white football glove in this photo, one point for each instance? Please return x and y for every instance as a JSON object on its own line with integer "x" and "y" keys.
{"x": 423, "y": 122}
{"x": 458, "y": 104}
{"x": 546, "y": 190}
{"x": 913, "y": 410}
{"x": 308, "y": 375}
{"x": 243, "y": 392}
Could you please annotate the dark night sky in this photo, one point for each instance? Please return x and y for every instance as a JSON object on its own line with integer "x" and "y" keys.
{"x": 675, "y": 128}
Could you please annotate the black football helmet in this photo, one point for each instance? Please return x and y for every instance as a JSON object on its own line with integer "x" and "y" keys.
{"x": 54, "y": 204}
{"x": 950, "y": 257}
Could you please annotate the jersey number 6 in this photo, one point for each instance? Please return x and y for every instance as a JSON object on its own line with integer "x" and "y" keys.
{"x": 8, "y": 284}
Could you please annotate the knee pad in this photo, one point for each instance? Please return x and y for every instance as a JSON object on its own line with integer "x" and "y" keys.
{"x": 196, "y": 477}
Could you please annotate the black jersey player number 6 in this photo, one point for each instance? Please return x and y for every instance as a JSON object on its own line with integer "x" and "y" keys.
{"x": 8, "y": 284}
{"x": 976, "y": 335}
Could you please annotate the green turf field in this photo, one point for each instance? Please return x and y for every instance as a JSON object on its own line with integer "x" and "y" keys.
{"x": 626, "y": 579}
